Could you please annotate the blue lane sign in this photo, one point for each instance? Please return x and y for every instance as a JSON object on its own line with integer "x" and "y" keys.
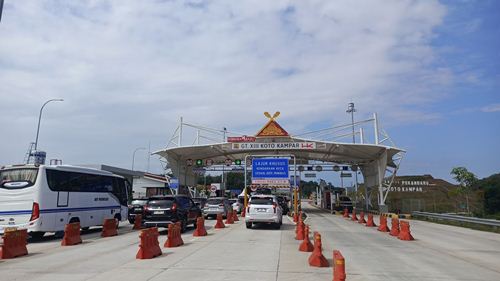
{"x": 270, "y": 168}
{"x": 174, "y": 183}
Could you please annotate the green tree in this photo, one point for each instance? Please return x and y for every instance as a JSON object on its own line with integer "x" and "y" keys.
{"x": 466, "y": 180}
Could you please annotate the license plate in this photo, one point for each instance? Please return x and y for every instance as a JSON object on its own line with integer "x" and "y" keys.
{"x": 261, "y": 210}
{"x": 213, "y": 209}
{"x": 137, "y": 209}
{"x": 158, "y": 212}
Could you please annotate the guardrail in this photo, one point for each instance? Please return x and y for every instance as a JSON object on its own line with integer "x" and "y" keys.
{"x": 488, "y": 222}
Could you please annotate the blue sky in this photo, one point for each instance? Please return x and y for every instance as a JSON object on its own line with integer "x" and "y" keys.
{"x": 129, "y": 69}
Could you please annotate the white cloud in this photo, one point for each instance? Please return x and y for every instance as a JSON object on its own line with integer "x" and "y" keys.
{"x": 128, "y": 69}
{"x": 491, "y": 108}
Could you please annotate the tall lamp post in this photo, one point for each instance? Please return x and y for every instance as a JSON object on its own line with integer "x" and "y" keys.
{"x": 40, "y": 118}
{"x": 133, "y": 155}
{"x": 351, "y": 110}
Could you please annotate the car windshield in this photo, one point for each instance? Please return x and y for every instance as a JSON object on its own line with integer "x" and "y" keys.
{"x": 261, "y": 200}
{"x": 139, "y": 202}
{"x": 17, "y": 178}
{"x": 161, "y": 203}
{"x": 214, "y": 201}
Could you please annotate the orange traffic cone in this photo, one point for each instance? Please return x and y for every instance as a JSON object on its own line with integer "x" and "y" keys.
{"x": 346, "y": 213}
{"x": 235, "y": 216}
{"x": 200, "y": 227}
{"x": 229, "y": 217}
{"x": 370, "y": 221}
{"x": 220, "y": 223}
{"x": 405, "y": 234}
{"x": 300, "y": 231}
{"x": 394, "y": 227}
{"x": 354, "y": 218}
{"x": 383, "y": 224}
{"x": 306, "y": 245}
{"x": 317, "y": 259}
{"x": 361, "y": 217}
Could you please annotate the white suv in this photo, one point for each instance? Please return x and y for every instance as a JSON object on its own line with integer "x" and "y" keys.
{"x": 264, "y": 209}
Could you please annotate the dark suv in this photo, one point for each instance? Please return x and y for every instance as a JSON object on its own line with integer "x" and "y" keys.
{"x": 136, "y": 207}
{"x": 164, "y": 210}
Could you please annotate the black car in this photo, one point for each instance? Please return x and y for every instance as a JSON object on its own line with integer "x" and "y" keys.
{"x": 163, "y": 210}
{"x": 136, "y": 207}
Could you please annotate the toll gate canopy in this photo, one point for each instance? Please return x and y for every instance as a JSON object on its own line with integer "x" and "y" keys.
{"x": 377, "y": 162}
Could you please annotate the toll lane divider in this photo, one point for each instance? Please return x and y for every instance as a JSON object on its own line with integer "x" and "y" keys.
{"x": 71, "y": 234}
{"x": 338, "y": 266}
{"x": 14, "y": 244}
{"x": 137, "y": 222}
{"x": 174, "y": 238}
{"x": 109, "y": 228}
{"x": 200, "y": 228}
{"x": 316, "y": 258}
{"x": 149, "y": 247}
{"x": 229, "y": 217}
{"x": 220, "y": 223}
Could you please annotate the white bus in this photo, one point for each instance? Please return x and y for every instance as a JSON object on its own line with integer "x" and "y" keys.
{"x": 46, "y": 198}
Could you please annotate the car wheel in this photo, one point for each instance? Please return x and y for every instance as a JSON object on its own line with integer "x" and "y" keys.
{"x": 249, "y": 225}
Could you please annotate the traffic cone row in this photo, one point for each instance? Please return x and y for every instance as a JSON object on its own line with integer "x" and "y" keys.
{"x": 316, "y": 258}
{"x": 149, "y": 247}
{"x": 353, "y": 217}
{"x": 235, "y": 216}
{"x": 220, "y": 223}
{"x": 229, "y": 217}
{"x": 14, "y": 244}
{"x": 370, "y": 222}
{"x": 361, "y": 217}
{"x": 383, "y": 224}
{"x": 174, "y": 238}
{"x": 338, "y": 266}
{"x": 71, "y": 234}
{"x": 200, "y": 227}
{"x": 109, "y": 228}
{"x": 306, "y": 245}
{"x": 137, "y": 222}
{"x": 404, "y": 233}
{"x": 394, "y": 227}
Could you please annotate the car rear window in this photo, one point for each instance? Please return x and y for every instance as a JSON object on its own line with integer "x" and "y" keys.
{"x": 214, "y": 201}
{"x": 162, "y": 203}
{"x": 262, "y": 200}
{"x": 139, "y": 202}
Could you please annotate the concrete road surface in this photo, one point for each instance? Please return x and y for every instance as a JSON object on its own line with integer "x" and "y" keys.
{"x": 440, "y": 252}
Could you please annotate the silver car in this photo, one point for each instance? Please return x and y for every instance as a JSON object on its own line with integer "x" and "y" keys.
{"x": 215, "y": 206}
{"x": 264, "y": 209}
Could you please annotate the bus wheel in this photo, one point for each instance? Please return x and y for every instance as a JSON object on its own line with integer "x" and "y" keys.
{"x": 37, "y": 235}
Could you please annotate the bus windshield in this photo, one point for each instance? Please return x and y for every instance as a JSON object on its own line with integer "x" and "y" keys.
{"x": 18, "y": 178}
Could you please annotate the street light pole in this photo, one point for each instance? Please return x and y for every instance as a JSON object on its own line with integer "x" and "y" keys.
{"x": 133, "y": 155}
{"x": 40, "y": 118}
{"x": 351, "y": 110}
